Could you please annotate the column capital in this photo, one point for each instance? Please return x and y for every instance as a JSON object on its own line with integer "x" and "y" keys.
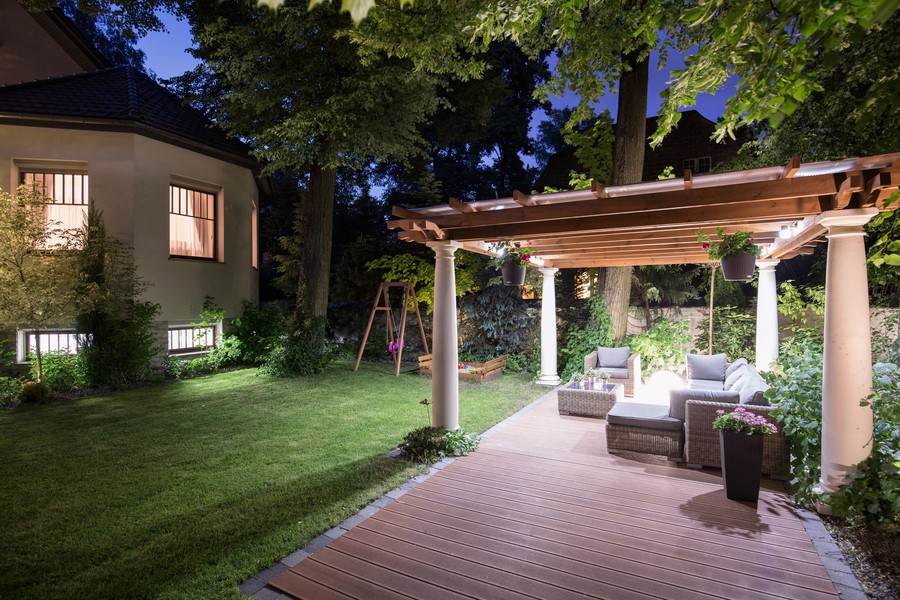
{"x": 847, "y": 221}
{"x": 767, "y": 264}
{"x": 444, "y": 248}
{"x": 545, "y": 271}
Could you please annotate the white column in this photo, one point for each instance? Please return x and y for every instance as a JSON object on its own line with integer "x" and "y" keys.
{"x": 766, "y": 316}
{"x": 444, "y": 343}
{"x": 549, "y": 376}
{"x": 847, "y": 367}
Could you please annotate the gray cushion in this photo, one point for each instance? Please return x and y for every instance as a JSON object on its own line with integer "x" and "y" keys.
{"x": 678, "y": 398}
{"x": 704, "y": 384}
{"x": 615, "y": 373}
{"x": 752, "y": 392}
{"x": 748, "y": 375}
{"x": 732, "y": 378}
{"x": 648, "y": 416}
{"x": 701, "y": 366}
{"x": 735, "y": 366}
{"x": 615, "y": 358}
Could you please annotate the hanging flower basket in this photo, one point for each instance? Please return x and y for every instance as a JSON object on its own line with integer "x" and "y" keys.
{"x": 513, "y": 275}
{"x": 739, "y": 267}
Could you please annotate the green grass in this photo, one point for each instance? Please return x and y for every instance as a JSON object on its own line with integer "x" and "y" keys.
{"x": 186, "y": 489}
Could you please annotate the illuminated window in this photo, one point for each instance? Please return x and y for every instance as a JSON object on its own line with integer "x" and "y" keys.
{"x": 192, "y": 223}
{"x": 702, "y": 164}
{"x": 183, "y": 340}
{"x": 69, "y": 192}
{"x": 52, "y": 340}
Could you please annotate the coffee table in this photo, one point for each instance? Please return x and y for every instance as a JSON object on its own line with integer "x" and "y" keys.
{"x": 589, "y": 400}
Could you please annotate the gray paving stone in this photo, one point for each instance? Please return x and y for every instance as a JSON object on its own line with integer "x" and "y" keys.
{"x": 251, "y": 586}
{"x": 383, "y": 501}
{"x": 335, "y": 532}
{"x": 835, "y": 565}
{"x": 272, "y": 572}
{"x": 266, "y": 594}
{"x": 317, "y": 544}
{"x": 850, "y": 592}
{"x": 353, "y": 521}
{"x": 294, "y": 558}
{"x": 368, "y": 511}
{"x": 395, "y": 493}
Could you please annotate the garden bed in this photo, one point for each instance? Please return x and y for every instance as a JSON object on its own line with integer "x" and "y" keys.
{"x": 470, "y": 371}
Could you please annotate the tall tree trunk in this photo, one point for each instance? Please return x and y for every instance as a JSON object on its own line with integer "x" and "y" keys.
{"x": 318, "y": 224}
{"x": 628, "y": 165}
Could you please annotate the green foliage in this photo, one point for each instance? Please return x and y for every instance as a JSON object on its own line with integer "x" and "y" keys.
{"x": 527, "y": 361}
{"x": 430, "y": 444}
{"x": 258, "y": 331}
{"x": 593, "y": 146}
{"x": 873, "y": 491}
{"x": 886, "y": 339}
{"x": 420, "y": 272}
{"x": 10, "y": 387}
{"x": 581, "y": 340}
{"x": 728, "y": 244}
{"x": 495, "y": 321}
{"x": 33, "y": 392}
{"x": 39, "y": 276}
{"x": 300, "y": 352}
{"x": 512, "y": 253}
{"x": 734, "y": 333}
{"x": 796, "y": 394}
{"x": 63, "y": 372}
{"x": 116, "y": 332}
{"x": 662, "y": 347}
{"x": 797, "y": 303}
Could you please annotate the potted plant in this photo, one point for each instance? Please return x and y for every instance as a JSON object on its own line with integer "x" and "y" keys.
{"x": 741, "y": 434}
{"x": 512, "y": 258}
{"x": 578, "y": 378}
{"x": 601, "y": 376}
{"x": 736, "y": 252}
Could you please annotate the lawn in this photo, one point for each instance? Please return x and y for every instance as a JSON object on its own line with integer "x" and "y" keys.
{"x": 186, "y": 489}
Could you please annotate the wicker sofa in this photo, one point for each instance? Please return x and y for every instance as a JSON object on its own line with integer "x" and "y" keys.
{"x": 683, "y": 430}
{"x": 628, "y": 375}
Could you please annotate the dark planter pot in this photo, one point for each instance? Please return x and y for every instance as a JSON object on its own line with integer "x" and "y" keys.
{"x": 513, "y": 275}
{"x": 739, "y": 267}
{"x": 741, "y": 456}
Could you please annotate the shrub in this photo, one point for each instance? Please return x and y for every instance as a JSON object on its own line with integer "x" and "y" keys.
{"x": 581, "y": 340}
{"x": 796, "y": 394}
{"x": 874, "y": 490}
{"x": 62, "y": 371}
{"x": 429, "y": 444}
{"x": 33, "y": 392}
{"x": 301, "y": 352}
{"x": 662, "y": 347}
{"x": 257, "y": 331}
{"x": 496, "y": 321}
{"x": 123, "y": 354}
{"x": 9, "y": 390}
{"x": 734, "y": 333}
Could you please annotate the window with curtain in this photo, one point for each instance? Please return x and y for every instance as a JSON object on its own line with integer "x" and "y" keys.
{"x": 192, "y": 223}
{"x": 69, "y": 192}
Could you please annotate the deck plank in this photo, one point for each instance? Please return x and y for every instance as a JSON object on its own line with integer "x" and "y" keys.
{"x": 541, "y": 510}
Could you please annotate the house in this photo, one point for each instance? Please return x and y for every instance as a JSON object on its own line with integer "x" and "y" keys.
{"x": 688, "y": 146}
{"x": 170, "y": 184}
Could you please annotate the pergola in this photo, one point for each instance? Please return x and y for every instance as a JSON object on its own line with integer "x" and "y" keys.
{"x": 788, "y": 208}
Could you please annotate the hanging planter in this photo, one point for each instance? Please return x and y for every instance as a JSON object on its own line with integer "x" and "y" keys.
{"x": 739, "y": 267}
{"x": 513, "y": 275}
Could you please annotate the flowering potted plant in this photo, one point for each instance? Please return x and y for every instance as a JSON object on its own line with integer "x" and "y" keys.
{"x": 741, "y": 434}
{"x": 513, "y": 257}
{"x": 736, "y": 251}
{"x": 602, "y": 375}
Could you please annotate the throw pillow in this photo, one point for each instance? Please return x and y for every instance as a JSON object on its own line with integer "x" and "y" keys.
{"x": 734, "y": 376}
{"x": 701, "y": 366}
{"x": 735, "y": 366}
{"x": 614, "y": 358}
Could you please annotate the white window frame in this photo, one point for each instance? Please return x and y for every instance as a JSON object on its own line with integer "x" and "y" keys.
{"x": 23, "y": 335}
{"x": 189, "y": 333}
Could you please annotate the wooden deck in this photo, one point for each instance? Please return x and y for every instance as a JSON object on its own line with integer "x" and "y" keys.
{"x": 542, "y": 511}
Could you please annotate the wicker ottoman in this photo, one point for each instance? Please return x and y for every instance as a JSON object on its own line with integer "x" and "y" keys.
{"x": 645, "y": 428}
{"x": 591, "y": 401}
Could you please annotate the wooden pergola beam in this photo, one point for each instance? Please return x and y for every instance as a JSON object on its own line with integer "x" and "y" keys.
{"x": 460, "y": 206}
{"x": 791, "y": 168}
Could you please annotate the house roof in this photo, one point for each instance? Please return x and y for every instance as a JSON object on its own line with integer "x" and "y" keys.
{"x": 691, "y": 138}
{"x": 117, "y": 99}
{"x": 656, "y": 222}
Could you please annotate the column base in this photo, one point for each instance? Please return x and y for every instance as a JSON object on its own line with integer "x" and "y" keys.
{"x": 551, "y": 380}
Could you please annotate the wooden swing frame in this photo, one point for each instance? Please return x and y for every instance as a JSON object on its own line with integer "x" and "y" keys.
{"x": 409, "y": 293}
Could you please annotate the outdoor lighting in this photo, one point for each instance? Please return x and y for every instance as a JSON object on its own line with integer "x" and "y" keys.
{"x": 537, "y": 261}
{"x": 786, "y": 232}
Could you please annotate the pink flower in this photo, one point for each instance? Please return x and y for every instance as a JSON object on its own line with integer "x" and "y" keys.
{"x": 705, "y": 245}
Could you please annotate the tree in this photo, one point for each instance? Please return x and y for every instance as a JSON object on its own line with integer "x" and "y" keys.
{"x": 293, "y": 84}
{"x": 39, "y": 274}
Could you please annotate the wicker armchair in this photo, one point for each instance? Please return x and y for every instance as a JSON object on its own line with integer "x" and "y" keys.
{"x": 631, "y": 383}
{"x": 701, "y": 441}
